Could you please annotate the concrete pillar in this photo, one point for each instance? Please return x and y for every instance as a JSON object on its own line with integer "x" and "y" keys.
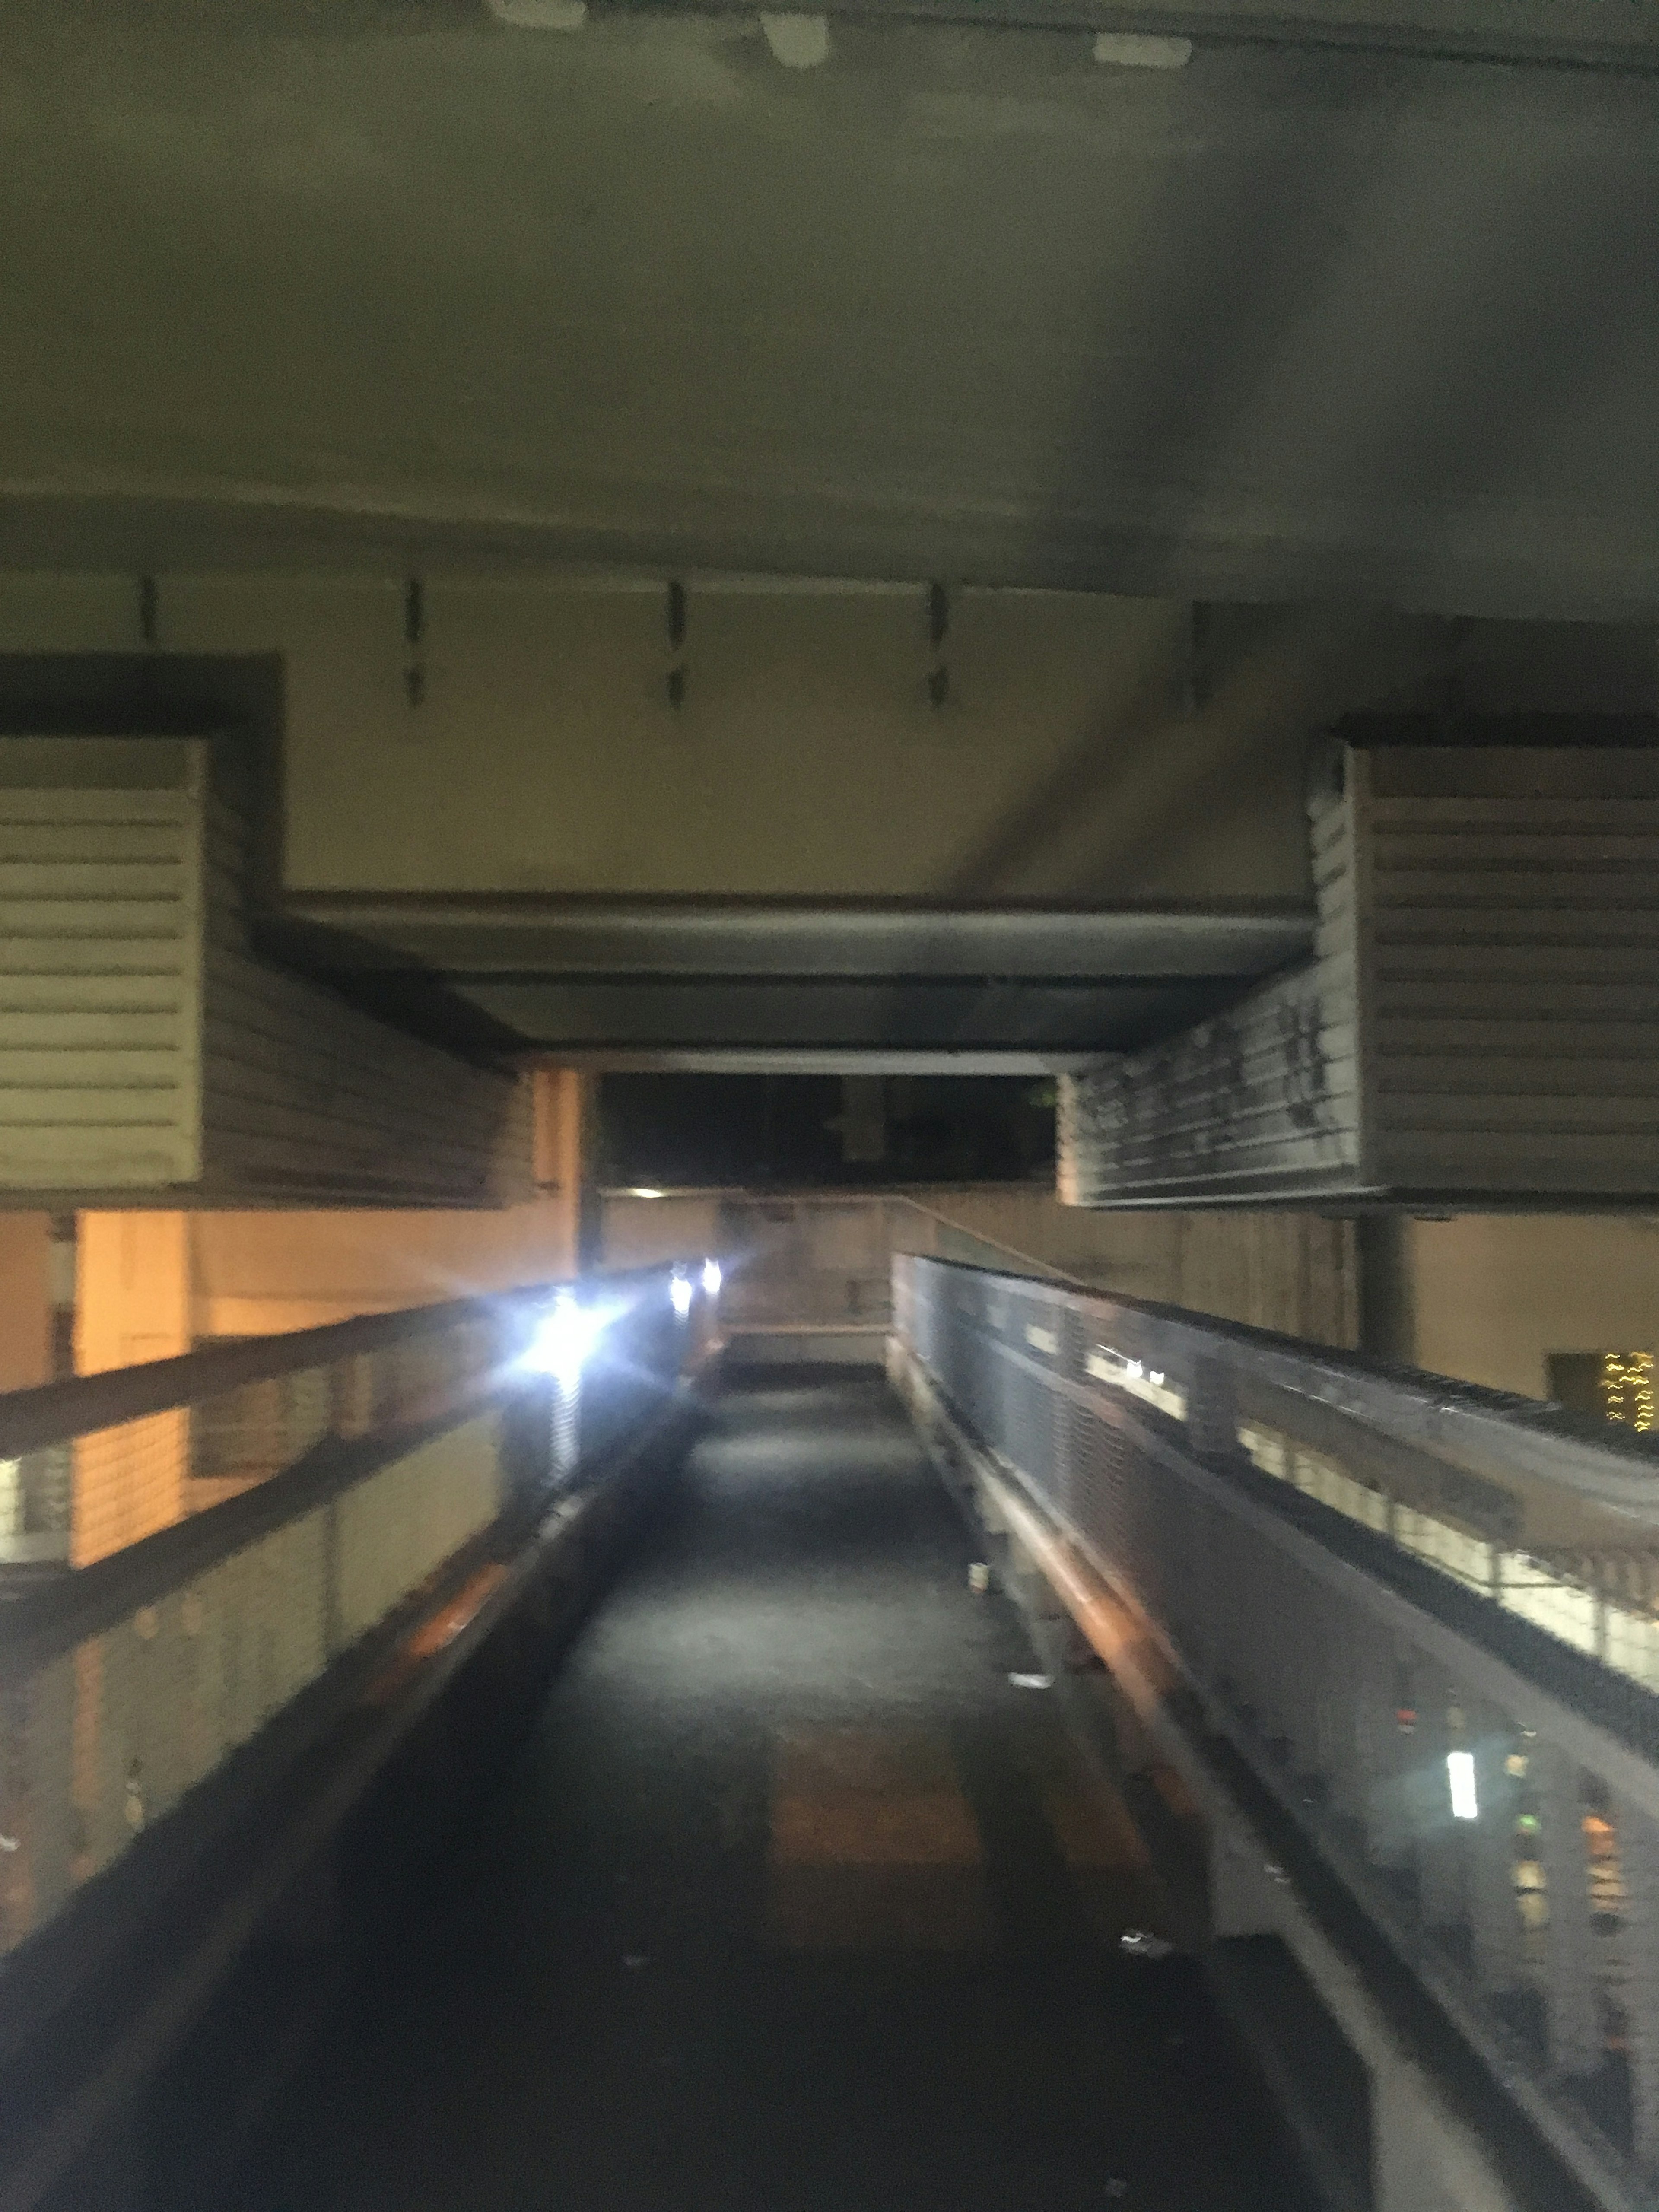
{"x": 1387, "y": 1315}
{"x": 1383, "y": 1750}
{"x": 133, "y": 1297}
{"x": 26, "y": 1299}
{"x": 1439, "y": 1843}
{"x": 1576, "y": 2041}
{"x": 1494, "y": 1916}
{"x": 565, "y": 1154}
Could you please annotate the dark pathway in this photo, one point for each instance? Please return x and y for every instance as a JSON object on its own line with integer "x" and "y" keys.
{"x": 796, "y": 1902}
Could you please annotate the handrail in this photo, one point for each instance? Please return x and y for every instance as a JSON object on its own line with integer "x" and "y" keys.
{"x": 41, "y": 1621}
{"x": 47, "y": 1413}
{"x": 50, "y": 1413}
{"x": 252, "y": 1513}
{"x": 1047, "y": 1270}
{"x": 1465, "y": 1728}
{"x": 1606, "y": 1462}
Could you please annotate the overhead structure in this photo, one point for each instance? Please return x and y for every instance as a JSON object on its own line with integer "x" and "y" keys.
{"x": 1335, "y": 307}
{"x": 1479, "y": 1025}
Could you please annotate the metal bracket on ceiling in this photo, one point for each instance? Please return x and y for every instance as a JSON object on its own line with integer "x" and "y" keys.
{"x": 677, "y": 622}
{"x": 414, "y": 642}
{"x": 939, "y": 628}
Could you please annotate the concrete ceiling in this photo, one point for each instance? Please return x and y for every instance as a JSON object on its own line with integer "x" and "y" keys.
{"x": 297, "y": 283}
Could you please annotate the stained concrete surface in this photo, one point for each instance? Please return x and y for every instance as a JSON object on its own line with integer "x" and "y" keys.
{"x": 794, "y": 1901}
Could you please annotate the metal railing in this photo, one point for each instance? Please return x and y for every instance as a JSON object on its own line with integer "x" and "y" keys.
{"x": 291, "y": 1497}
{"x": 1423, "y": 1613}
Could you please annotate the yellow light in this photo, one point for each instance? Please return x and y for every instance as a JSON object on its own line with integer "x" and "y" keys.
{"x": 1627, "y": 1389}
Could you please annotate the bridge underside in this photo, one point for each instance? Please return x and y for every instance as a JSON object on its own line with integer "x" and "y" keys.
{"x": 402, "y": 285}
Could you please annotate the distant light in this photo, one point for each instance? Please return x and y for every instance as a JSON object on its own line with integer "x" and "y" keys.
{"x": 1460, "y": 1772}
{"x": 642, "y": 1192}
{"x": 1155, "y": 1378}
{"x": 1141, "y": 50}
{"x": 679, "y": 1290}
{"x": 565, "y": 1337}
{"x": 712, "y": 1278}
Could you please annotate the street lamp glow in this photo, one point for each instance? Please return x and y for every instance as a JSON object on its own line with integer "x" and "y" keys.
{"x": 1460, "y": 1772}
{"x": 679, "y": 1290}
{"x": 712, "y": 1278}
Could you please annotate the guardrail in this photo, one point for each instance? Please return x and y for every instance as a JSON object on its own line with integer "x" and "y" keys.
{"x": 1423, "y": 1613}
{"x": 341, "y": 1474}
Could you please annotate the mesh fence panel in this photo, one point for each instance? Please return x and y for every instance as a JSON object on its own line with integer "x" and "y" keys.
{"x": 1525, "y": 1869}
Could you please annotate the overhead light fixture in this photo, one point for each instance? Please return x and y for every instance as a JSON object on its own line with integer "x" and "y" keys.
{"x": 641, "y": 1191}
{"x": 798, "y": 42}
{"x": 1141, "y": 50}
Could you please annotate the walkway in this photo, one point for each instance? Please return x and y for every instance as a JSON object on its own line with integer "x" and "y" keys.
{"x": 796, "y": 1904}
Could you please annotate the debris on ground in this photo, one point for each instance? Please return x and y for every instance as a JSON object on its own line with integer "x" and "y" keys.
{"x": 1141, "y": 1943}
{"x": 1032, "y": 1682}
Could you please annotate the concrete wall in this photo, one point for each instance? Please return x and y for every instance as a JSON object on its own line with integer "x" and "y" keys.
{"x": 1292, "y": 1272}
{"x": 254, "y": 1274}
{"x": 1087, "y": 749}
{"x": 1493, "y": 1295}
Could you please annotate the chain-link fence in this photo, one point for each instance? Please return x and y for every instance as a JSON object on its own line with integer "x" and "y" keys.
{"x": 1425, "y": 1615}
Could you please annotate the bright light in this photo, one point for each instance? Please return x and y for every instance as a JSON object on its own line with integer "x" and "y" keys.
{"x": 679, "y": 1290}
{"x": 642, "y": 1192}
{"x": 712, "y": 1278}
{"x": 564, "y": 1337}
{"x": 1460, "y": 1771}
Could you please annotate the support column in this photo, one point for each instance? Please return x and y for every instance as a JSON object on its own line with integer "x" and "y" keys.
{"x": 1494, "y": 1915}
{"x": 1383, "y": 1750}
{"x": 25, "y": 1300}
{"x": 1387, "y": 1319}
{"x": 1439, "y": 1841}
{"x": 566, "y": 1153}
{"x": 133, "y": 1294}
{"x": 1576, "y": 2041}
{"x": 1638, "y": 1865}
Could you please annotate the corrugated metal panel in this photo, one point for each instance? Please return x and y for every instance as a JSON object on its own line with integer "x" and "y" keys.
{"x": 1508, "y": 967}
{"x": 306, "y": 1099}
{"x": 146, "y": 1049}
{"x": 1481, "y": 1022}
{"x": 100, "y": 901}
{"x": 1261, "y": 1101}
